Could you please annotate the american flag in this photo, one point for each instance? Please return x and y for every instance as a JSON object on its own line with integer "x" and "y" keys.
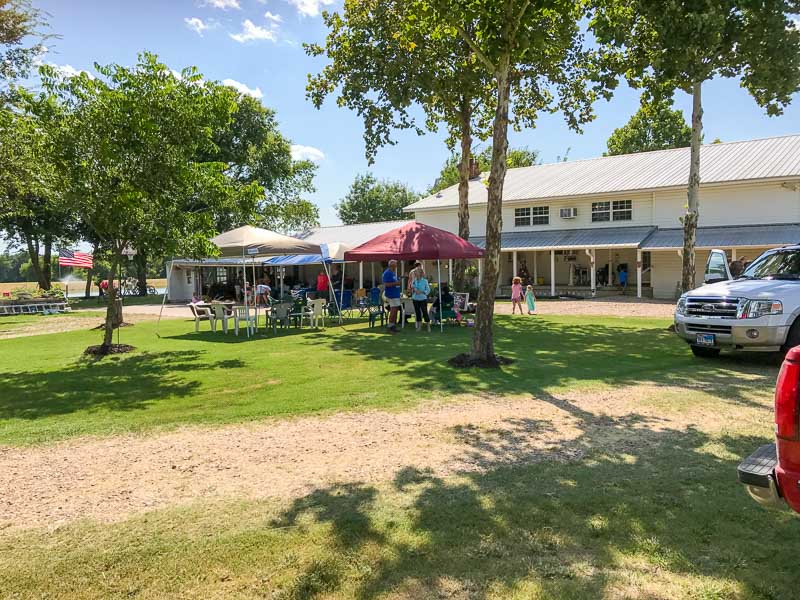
{"x": 68, "y": 258}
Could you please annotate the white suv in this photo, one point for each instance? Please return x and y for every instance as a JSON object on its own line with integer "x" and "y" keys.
{"x": 756, "y": 311}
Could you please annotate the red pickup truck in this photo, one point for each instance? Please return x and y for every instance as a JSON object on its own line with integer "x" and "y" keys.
{"x": 772, "y": 473}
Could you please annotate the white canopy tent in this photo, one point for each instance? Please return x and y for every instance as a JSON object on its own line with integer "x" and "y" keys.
{"x": 254, "y": 242}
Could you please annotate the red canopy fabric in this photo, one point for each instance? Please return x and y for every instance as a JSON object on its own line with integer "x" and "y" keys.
{"x": 414, "y": 241}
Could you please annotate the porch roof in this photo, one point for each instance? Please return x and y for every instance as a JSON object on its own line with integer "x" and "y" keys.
{"x": 572, "y": 239}
{"x": 741, "y": 236}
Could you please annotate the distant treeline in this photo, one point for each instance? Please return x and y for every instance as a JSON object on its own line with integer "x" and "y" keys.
{"x": 16, "y": 266}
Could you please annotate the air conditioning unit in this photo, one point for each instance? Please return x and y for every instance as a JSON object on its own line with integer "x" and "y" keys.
{"x": 569, "y": 213}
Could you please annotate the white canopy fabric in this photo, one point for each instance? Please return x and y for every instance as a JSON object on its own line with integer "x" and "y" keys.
{"x": 254, "y": 241}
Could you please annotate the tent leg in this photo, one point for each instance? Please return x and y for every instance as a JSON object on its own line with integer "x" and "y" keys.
{"x": 244, "y": 291}
{"x": 344, "y": 267}
{"x": 439, "y": 269}
{"x": 333, "y": 291}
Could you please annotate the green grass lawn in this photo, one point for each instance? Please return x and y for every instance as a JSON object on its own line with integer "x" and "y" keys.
{"x": 645, "y": 512}
{"x": 98, "y": 302}
{"x": 188, "y": 378}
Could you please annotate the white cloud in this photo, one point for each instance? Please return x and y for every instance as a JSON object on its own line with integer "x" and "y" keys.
{"x": 196, "y": 24}
{"x": 307, "y": 153}
{"x": 272, "y": 18}
{"x": 66, "y": 71}
{"x": 224, "y": 4}
{"x": 309, "y": 8}
{"x": 251, "y": 31}
{"x": 243, "y": 89}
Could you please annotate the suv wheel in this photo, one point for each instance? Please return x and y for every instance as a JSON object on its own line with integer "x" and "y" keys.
{"x": 702, "y": 352}
{"x": 793, "y": 337}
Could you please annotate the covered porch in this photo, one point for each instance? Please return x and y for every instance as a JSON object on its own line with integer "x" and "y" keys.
{"x": 580, "y": 262}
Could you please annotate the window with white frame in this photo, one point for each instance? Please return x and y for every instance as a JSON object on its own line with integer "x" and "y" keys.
{"x": 622, "y": 210}
{"x": 540, "y": 215}
{"x": 522, "y": 217}
{"x": 601, "y": 211}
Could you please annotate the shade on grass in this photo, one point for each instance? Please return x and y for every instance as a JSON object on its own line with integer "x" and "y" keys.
{"x": 660, "y": 518}
{"x": 49, "y": 391}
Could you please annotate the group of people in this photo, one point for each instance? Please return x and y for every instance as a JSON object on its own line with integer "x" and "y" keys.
{"x": 517, "y": 297}
{"x": 419, "y": 289}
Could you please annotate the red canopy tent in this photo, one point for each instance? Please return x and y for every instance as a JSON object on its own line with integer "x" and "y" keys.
{"x": 415, "y": 241}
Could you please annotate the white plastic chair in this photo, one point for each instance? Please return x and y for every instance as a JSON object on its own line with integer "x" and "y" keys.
{"x": 202, "y": 313}
{"x": 241, "y": 314}
{"x": 315, "y": 312}
{"x": 406, "y": 310}
{"x": 220, "y": 314}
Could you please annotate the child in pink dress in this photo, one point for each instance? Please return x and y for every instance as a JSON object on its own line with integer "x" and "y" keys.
{"x": 516, "y": 295}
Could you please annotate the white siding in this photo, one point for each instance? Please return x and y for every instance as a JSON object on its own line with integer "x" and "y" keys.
{"x": 742, "y": 205}
{"x": 448, "y": 220}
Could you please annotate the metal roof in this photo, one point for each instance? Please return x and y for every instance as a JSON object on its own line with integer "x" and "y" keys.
{"x": 777, "y": 157}
{"x": 571, "y": 239}
{"x": 350, "y": 235}
{"x": 727, "y": 237}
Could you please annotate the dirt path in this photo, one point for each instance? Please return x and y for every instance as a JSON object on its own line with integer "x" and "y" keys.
{"x": 109, "y": 479}
{"x": 615, "y": 306}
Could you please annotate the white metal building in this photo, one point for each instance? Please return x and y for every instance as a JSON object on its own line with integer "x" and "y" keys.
{"x": 572, "y": 223}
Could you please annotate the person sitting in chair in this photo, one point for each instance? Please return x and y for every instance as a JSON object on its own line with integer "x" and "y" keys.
{"x": 447, "y": 301}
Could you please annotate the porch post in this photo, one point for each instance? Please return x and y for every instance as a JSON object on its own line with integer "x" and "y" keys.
{"x": 610, "y": 267}
{"x": 593, "y": 270}
{"x": 449, "y": 272}
{"x": 480, "y": 271}
{"x": 535, "y": 267}
{"x": 514, "y": 266}
{"x": 638, "y": 273}
{"x": 733, "y": 254}
{"x": 361, "y": 275}
{"x": 552, "y": 272}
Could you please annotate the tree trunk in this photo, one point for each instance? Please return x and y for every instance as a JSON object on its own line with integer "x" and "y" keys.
{"x": 42, "y": 276}
{"x": 47, "y": 266}
{"x": 111, "y": 309}
{"x": 141, "y": 271}
{"x": 483, "y": 338}
{"x": 460, "y": 266}
{"x": 693, "y": 193}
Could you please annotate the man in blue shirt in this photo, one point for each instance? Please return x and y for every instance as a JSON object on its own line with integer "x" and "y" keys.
{"x": 391, "y": 291}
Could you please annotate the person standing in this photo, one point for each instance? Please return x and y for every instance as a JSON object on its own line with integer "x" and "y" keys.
{"x": 391, "y": 291}
{"x": 530, "y": 300}
{"x": 420, "y": 290}
{"x": 322, "y": 285}
{"x": 516, "y": 295}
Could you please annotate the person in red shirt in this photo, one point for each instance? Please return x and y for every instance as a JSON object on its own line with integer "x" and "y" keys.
{"x": 322, "y": 285}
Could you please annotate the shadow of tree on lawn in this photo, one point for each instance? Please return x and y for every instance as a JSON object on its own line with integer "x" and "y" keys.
{"x": 123, "y": 383}
{"x": 643, "y": 508}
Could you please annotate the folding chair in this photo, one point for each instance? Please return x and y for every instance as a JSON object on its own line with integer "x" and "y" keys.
{"x": 241, "y": 314}
{"x": 202, "y": 313}
{"x": 221, "y": 314}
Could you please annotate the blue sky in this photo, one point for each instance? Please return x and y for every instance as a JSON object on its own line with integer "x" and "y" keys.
{"x": 257, "y": 43}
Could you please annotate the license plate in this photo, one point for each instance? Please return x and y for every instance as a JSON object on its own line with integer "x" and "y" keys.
{"x": 706, "y": 339}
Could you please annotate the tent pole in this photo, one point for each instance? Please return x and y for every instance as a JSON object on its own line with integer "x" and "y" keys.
{"x": 439, "y": 269}
{"x": 164, "y": 299}
{"x": 244, "y": 290}
{"x": 333, "y": 291}
{"x": 255, "y": 302}
{"x": 344, "y": 266}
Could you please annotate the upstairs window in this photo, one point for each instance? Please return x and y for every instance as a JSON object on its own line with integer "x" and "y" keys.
{"x": 601, "y": 211}
{"x": 618, "y": 210}
{"x": 522, "y": 217}
{"x": 623, "y": 210}
{"x": 540, "y": 215}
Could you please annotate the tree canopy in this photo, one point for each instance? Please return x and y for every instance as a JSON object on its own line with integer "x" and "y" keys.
{"x": 370, "y": 200}
{"x": 668, "y": 45}
{"x": 449, "y": 175}
{"x": 18, "y": 21}
{"x": 136, "y": 153}
{"x": 655, "y": 126}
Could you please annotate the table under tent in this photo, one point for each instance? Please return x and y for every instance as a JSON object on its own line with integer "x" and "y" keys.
{"x": 416, "y": 241}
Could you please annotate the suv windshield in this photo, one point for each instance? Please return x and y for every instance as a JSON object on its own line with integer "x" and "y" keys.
{"x": 783, "y": 264}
